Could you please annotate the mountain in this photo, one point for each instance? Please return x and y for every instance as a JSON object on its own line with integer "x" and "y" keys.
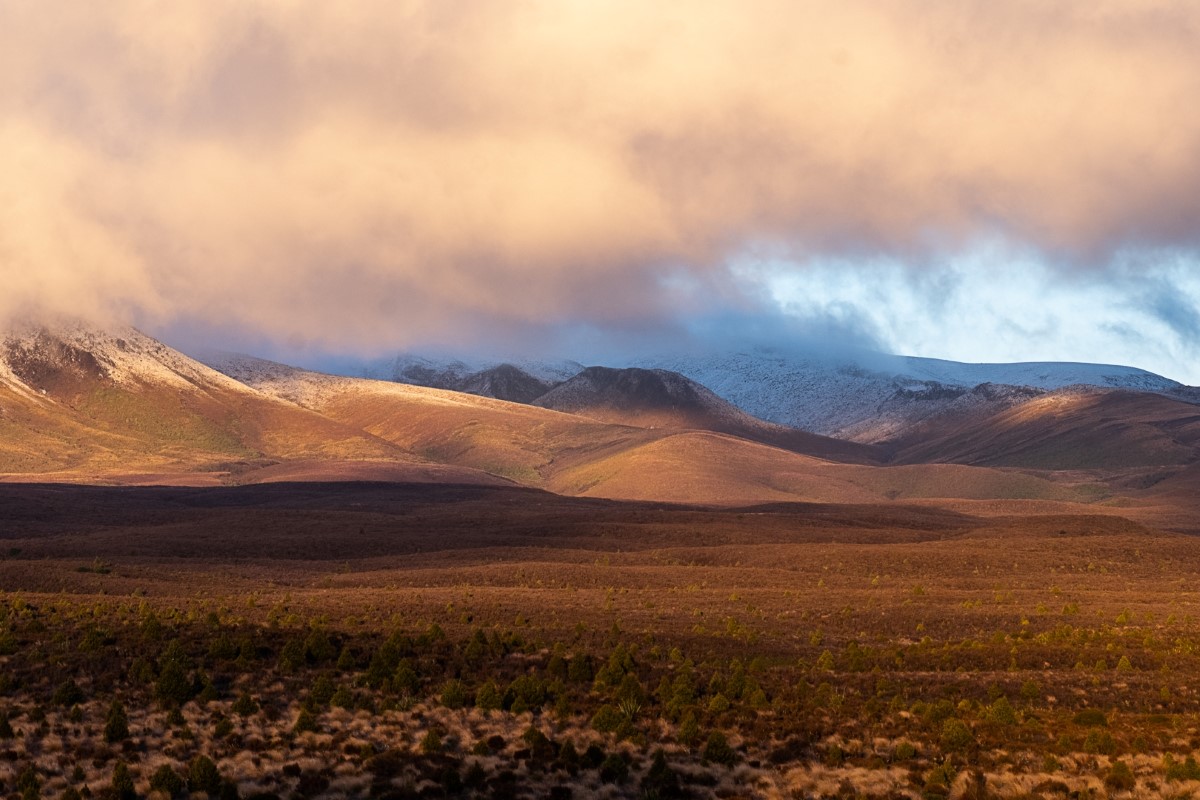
{"x": 82, "y": 404}
{"x": 79, "y": 400}
{"x": 873, "y": 397}
{"x": 663, "y": 399}
{"x": 577, "y": 455}
{"x": 520, "y": 382}
{"x": 1081, "y": 427}
{"x": 504, "y": 382}
{"x": 845, "y": 393}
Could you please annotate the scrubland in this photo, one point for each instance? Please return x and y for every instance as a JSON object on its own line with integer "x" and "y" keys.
{"x": 402, "y": 641}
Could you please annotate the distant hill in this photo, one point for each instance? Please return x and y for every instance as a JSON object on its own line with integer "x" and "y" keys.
{"x": 519, "y": 382}
{"x": 663, "y": 399}
{"x": 849, "y": 393}
{"x": 76, "y": 399}
{"x": 874, "y": 397}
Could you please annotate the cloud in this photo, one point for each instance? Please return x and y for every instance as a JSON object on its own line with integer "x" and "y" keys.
{"x": 405, "y": 172}
{"x": 1002, "y": 305}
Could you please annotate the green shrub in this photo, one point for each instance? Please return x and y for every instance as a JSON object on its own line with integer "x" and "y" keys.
{"x": 607, "y": 719}
{"x": 718, "y": 704}
{"x": 718, "y": 751}
{"x": 342, "y": 698}
{"x": 432, "y": 742}
{"x": 1100, "y": 742}
{"x": 28, "y": 783}
{"x": 116, "y": 724}
{"x": 488, "y": 697}
{"x": 614, "y": 769}
{"x": 455, "y": 694}
{"x": 1001, "y": 713}
{"x": 122, "y": 782}
{"x": 67, "y": 694}
{"x": 1189, "y": 770}
{"x": 305, "y": 722}
{"x": 166, "y": 780}
{"x": 244, "y": 706}
{"x": 660, "y": 781}
{"x": 689, "y": 730}
{"x": 202, "y": 775}
{"x": 1091, "y": 718}
{"x": 956, "y": 737}
{"x": 173, "y": 687}
{"x": 1120, "y": 777}
{"x": 322, "y": 690}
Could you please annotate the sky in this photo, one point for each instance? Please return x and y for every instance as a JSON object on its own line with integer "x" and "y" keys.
{"x": 972, "y": 180}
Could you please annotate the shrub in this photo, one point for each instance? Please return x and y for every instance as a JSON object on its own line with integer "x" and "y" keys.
{"x": 432, "y": 742}
{"x": 1120, "y": 777}
{"x": 305, "y": 722}
{"x": 718, "y": 751}
{"x": 660, "y": 781}
{"x": 614, "y": 769}
{"x": 28, "y": 783}
{"x": 322, "y": 690}
{"x": 292, "y": 656}
{"x": 122, "y": 782}
{"x": 1001, "y": 712}
{"x": 956, "y": 737}
{"x": 173, "y": 687}
{"x": 116, "y": 725}
{"x": 938, "y": 781}
{"x": 342, "y": 698}
{"x": 244, "y": 705}
{"x": 580, "y": 669}
{"x": 318, "y": 648}
{"x": 67, "y": 694}
{"x": 689, "y": 730}
{"x": 488, "y": 697}
{"x": 540, "y": 746}
{"x": 1189, "y": 770}
{"x": 202, "y": 775}
{"x": 166, "y": 780}
{"x": 455, "y": 694}
{"x": 607, "y": 719}
{"x": 1091, "y": 718}
{"x": 1098, "y": 741}
{"x": 718, "y": 704}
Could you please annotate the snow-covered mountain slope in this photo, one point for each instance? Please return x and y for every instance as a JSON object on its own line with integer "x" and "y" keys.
{"x": 872, "y": 397}
{"x": 76, "y": 398}
{"x": 42, "y": 358}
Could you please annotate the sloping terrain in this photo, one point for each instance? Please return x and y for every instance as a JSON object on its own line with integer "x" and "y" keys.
{"x": 871, "y": 397}
{"x": 74, "y": 399}
{"x": 520, "y": 442}
{"x": 84, "y": 405}
{"x": 519, "y": 381}
{"x": 663, "y": 399}
{"x": 1079, "y": 428}
{"x": 847, "y": 393}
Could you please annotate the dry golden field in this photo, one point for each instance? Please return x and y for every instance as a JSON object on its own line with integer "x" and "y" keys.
{"x": 405, "y": 640}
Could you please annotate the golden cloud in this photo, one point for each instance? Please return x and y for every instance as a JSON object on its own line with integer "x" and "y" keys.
{"x": 381, "y": 170}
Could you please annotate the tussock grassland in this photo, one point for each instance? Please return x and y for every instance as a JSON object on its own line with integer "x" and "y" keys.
{"x": 426, "y": 641}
